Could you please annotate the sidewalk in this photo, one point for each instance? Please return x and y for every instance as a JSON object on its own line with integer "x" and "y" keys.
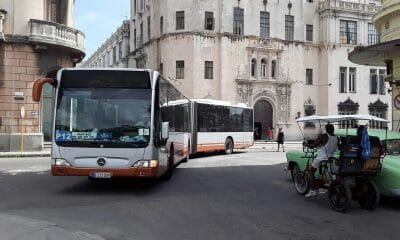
{"x": 262, "y": 144}
{"x": 44, "y": 153}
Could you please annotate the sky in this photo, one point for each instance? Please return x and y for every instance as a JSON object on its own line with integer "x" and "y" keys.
{"x": 98, "y": 19}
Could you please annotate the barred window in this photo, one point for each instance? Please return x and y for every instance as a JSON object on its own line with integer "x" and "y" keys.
{"x": 348, "y": 107}
{"x": 373, "y": 81}
{"x": 148, "y": 27}
{"x": 309, "y": 76}
{"x": 289, "y": 27}
{"x": 273, "y": 69}
{"x": 352, "y": 80}
{"x": 309, "y": 32}
{"x": 373, "y": 36}
{"x": 253, "y": 67}
{"x": 114, "y": 55}
{"x": 348, "y": 32}
{"x": 134, "y": 38}
{"x": 180, "y": 69}
{"x": 378, "y": 109}
{"x": 161, "y": 24}
{"x": 180, "y": 20}
{"x": 238, "y": 21}
{"x": 263, "y": 68}
{"x": 208, "y": 70}
{"x": 264, "y": 24}
{"x": 119, "y": 49}
{"x": 140, "y": 40}
{"x": 342, "y": 80}
{"x": 209, "y": 21}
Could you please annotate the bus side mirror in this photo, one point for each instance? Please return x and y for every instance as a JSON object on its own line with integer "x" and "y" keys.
{"x": 38, "y": 87}
{"x": 165, "y": 130}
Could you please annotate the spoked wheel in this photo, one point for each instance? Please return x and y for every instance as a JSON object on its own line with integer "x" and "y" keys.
{"x": 301, "y": 183}
{"x": 371, "y": 197}
{"x": 339, "y": 195}
{"x": 228, "y": 146}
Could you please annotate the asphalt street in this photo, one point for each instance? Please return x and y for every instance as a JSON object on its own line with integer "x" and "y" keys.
{"x": 245, "y": 195}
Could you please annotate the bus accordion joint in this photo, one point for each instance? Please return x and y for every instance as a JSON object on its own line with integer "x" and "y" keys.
{"x": 38, "y": 86}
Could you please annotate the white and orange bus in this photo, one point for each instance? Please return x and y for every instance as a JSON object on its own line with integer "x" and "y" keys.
{"x": 107, "y": 123}
{"x": 134, "y": 123}
{"x": 214, "y": 125}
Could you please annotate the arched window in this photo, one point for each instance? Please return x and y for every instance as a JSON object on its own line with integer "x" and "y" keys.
{"x": 253, "y": 67}
{"x": 263, "y": 68}
{"x": 348, "y": 107}
{"x": 378, "y": 109}
{"x": 273, "y": 69}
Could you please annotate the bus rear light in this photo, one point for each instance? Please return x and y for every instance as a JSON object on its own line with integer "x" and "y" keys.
{"x": 60, "y": 162}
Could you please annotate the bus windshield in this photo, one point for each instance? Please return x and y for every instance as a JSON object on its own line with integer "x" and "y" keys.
{"x": 103, "y": 117}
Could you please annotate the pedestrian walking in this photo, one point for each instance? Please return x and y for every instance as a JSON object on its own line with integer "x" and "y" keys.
{"x": 281, "y": 139}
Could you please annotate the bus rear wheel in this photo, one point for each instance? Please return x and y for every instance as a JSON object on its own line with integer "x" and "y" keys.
{"x": 170, "y": 166}
{"x": 228, "y": 146}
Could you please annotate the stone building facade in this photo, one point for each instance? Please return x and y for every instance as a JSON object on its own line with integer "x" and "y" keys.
{"x": 114, "y": 52}
{"x": 36, "y": 39}
{"x": 386, "y": 53}
{"x": 284, "y": 58}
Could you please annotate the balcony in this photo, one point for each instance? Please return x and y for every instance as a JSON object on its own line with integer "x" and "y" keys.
{"x": 57, "y": 34}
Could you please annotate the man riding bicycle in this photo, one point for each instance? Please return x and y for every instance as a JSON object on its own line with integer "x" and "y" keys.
{"x": 327, "y": 143}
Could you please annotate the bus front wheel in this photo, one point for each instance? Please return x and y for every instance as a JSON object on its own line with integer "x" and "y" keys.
{"x": 228, "y": 146}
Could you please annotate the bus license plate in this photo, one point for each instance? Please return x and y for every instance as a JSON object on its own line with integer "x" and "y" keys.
{"x": 100, "y": 175}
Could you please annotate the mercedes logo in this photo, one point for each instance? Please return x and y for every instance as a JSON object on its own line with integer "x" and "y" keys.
{"x": 101, "y": 162}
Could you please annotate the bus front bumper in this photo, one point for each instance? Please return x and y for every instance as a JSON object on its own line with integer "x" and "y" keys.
{"x": 104, "y": 173}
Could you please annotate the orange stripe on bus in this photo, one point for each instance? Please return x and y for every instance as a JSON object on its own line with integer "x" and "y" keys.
{"x": 219, "y": 146}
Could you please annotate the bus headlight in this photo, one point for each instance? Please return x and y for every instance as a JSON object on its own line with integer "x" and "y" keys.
{"x": 146, "y": 163}
{"x": 60, "y": 162}
{"x": 153, "y": 163}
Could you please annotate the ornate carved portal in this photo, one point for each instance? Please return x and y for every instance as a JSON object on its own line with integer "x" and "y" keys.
{"x": 244, "y": 92}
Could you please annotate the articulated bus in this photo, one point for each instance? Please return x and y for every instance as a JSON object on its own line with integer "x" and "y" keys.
{"x": 128, "y": 123}
{"x": 214, "y": 125}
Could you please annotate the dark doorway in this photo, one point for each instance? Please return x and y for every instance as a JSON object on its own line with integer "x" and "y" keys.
{"x": 257, "y": 130}
{"x": 263, "y": 115}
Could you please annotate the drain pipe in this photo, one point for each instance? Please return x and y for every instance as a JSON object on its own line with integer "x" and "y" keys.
{"x": 2, "y": 18}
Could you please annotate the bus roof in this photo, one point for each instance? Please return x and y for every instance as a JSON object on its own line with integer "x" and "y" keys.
{"x": 219, "y": 102}
{"x": 207, "y": 101}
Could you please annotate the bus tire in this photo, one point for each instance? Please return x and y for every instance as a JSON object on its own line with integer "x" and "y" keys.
{"x": 185, "y": 159}
{"x": 228, "y": 146}
{"x": 170, "y": 166}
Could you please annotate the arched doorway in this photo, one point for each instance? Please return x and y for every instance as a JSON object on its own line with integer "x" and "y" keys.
{"x": 263, "y": 118}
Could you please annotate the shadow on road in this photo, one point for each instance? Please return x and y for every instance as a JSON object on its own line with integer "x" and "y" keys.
{"x": 211, "y": 154}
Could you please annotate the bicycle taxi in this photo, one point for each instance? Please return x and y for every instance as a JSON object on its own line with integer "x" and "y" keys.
{"x": 346, "y": 175}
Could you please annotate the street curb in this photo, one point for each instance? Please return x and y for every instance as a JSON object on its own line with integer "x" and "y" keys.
{"x": 24, "y": 154}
